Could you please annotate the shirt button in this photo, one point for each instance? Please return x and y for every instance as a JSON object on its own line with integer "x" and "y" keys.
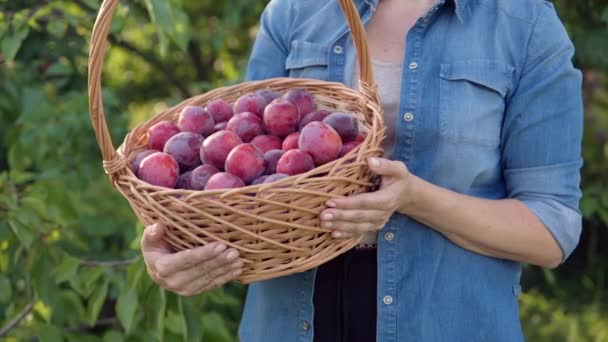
{"x": 389, "y": 236}
{"x": 408, "y": 117}
{"x": 338, "y": 49}
{"x": 413, "y": 65}
{"x": 388, "y": 300}
{"x": 305, "y": 325}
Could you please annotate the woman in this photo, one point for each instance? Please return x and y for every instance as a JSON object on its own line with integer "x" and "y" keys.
{"x": 484, "y": 116}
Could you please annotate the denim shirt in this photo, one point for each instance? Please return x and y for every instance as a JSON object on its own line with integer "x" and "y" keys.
{"x": 495, "y": 110}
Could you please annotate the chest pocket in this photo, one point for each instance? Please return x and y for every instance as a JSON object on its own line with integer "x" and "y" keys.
{"x": 307, "y": 60}
{"x": 472, "y": 101}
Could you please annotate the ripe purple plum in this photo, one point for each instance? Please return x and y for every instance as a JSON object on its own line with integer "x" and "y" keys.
{"x": 220, "y": 126}
{"x": 159, "y": 169}
{"x": 281, "y": 118}
{"x": 347, "y": 147}
{"x": 159, "y": 133}
{"x": 346, "y": 125}
{"x": 272, "y": 158}
{"x": 246, "y": 162}
{"x": 184, "y": 181}
{"x": 252, "y": 103}
{"x": 224, "y": 180}
{"x": 275, "y": 178}
{"x": 260, "y": 180}
{"x": 266, "y": 143}
{"x": 185, "y": 148}
{"x": 268, "y": 94}
{"x": 200, "y": 176}
{"x": 246, "y": 125}
{"x": 303, "y": 99}
{"x": 321, "y": 141}
{"x": 135, "y": 163}
{"x": 317, "y": 115}
{"x": 291, "y": 141}
{"x": 295, "y": 162}
{"x": 196, "y": 120}
{"x": 220, "y": 110}
{"x": 217, "y": 146}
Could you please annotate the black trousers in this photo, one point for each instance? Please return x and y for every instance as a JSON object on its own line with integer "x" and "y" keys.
{"x": 345, "y": 298}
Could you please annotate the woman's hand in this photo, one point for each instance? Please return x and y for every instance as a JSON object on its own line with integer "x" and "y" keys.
{"x": 191, "y": 272}
{"x": 369, "y": 212}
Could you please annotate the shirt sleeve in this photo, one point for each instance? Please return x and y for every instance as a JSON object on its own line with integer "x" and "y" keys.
{"x": 542, "y": 132}
{"x": 271, "y": 45}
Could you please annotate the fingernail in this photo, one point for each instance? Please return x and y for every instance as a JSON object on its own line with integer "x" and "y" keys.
{"x": 337, "y": 235}
{"x": 237, "y": 273}
{"x": 220, "y": 248}
{"x": 331, "y": 204}
{"x": 238, "y": 264}
{"x": 232, "y": 255}
{"x": 154, "y": 229}
{"x": 374, "y": 162}
{"x": 327, "y": 224}
{"x": 328, "y": 217}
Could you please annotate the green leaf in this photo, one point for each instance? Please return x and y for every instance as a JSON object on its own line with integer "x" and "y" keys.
{"x": 23, "y": 233}
{"x": 72, "y": 305}
{"x": 67, "y": 269}
{"x": 96, "y": 302}
{"x": 214, "y": 328}
{"x": 160, "y": 306}
{"x": 49, "y": 333}
{"x": 12, "y": 42}
{"x": 6, "y": 290}
{"x": 182, "y": 318}
{"x": 113, "y": 336}
{"x": 57, "y": 28}
{"x": 126, "y": 307}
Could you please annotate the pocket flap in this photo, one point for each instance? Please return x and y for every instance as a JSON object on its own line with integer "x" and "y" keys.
{"x": 492, "y": 74}
{"x": 303, "y": 54}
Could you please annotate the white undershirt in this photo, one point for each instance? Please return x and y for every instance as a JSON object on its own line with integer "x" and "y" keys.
{"x": 388, "y": 78}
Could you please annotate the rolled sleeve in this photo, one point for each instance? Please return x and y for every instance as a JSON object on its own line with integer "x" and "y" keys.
{"x": 270, "y": 49}
{"x": 542, "y": 132}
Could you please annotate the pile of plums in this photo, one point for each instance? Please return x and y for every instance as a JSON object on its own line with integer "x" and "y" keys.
{"x": 263, "y": 137}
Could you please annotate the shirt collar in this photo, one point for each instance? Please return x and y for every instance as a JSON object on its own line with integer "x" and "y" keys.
{"x": 459, "y": 5}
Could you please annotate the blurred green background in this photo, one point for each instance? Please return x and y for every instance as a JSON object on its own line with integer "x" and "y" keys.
{"x": 69, "y": 261}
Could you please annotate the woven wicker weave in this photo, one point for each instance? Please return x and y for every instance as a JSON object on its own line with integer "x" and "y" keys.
{"x": 275, "y": 226}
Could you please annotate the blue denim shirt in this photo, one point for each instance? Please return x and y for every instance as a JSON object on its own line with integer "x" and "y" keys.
{"x": 497, "y": 114}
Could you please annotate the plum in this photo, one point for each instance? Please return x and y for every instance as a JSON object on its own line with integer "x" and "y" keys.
{"x": 347, "y": 147}
{"x": 317, "y": 115}
{"x": 266, "y": 143}
{"x": 220, "y": 126}
{"x": 217, "y": 146}
{"x": 272, "y": 158}
{"x": 321, "y": 141}
{"x": 184, "y": 181}
{"x": 268, "y": 94}
{"x": 346, "y": 125}
{"x": 159, "y": 169}
{"x": 200, "y": 176}
{"x": 281, "y": 118}
{"x": 196, "y": 120}
{"x": 361, "y": 137}
{"x": 260, "y": 180}
{"x": 246, "y": 125}
{"x": 224, "y": 180}
{"x": 246, "y": 162}
{"x": 275, "y": 178}
{"x": 220, "y": 110}
{"x": 291, "y": 141}
{"x": 135, "y": 163}
{"x": 185, "y": 148}
{"x": 295, "y": 162}
{"x": 302, "y": 98}
{"x": 252, "y": 103}
{"x": 159, "y": 133}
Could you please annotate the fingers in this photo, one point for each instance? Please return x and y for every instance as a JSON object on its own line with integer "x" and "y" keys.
{"x": 172, "y": 263}
{"x": 214, "y": 279}
{"x": 379, "y": 200}
{"x": 331, "y": 215}
{"x": 386, "y": 167}
{"x": 357, "y": 228}
{"x": 152, "y": 239}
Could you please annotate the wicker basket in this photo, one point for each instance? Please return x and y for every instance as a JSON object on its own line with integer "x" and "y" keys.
{"x": 275, "y": 226}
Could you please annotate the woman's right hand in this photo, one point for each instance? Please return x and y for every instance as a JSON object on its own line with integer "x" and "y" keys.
{"x": 190, "y": 272}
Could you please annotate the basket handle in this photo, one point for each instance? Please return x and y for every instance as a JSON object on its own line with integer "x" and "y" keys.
{"x": 99, "y": 44}
{"x": 366, "y": 76}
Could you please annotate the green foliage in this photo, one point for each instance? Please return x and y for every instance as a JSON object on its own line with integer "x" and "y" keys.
{"x": 70, "y": 267}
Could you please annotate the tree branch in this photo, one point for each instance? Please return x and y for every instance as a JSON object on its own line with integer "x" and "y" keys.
{"x": 15, "y": 321}
{"x": 104, "y": 322}
{"x": 154, "y": 61}
{"x": 117, "y": 263}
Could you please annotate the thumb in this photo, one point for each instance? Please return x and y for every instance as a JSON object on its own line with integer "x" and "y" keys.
{"x": 385, "y": 167}
{"x": 152, "y": 239}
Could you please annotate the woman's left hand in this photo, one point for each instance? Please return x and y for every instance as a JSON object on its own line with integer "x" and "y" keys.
{"x": 369, "y": 212}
